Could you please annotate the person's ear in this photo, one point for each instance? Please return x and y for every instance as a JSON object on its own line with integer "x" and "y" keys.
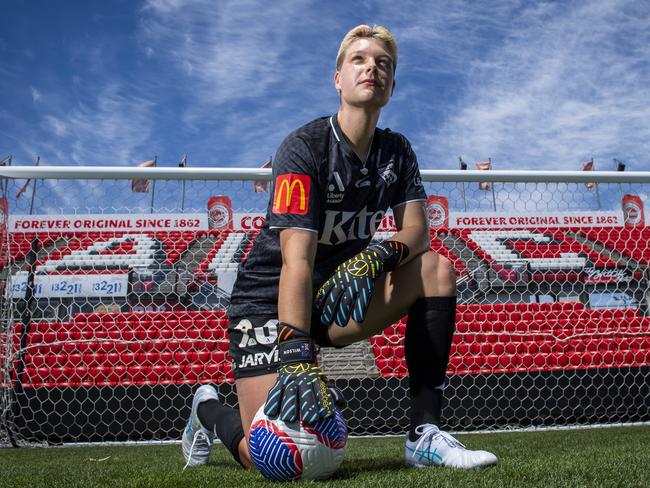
{"x": 337, "y": 81}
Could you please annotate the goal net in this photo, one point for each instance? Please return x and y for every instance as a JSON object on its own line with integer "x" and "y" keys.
{"x": 114, "y": 297}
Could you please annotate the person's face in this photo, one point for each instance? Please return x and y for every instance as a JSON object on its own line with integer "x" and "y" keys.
{"x": 365, "y": 78}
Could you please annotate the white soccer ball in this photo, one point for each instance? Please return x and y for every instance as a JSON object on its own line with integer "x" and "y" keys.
{"x": 292, "y": 451}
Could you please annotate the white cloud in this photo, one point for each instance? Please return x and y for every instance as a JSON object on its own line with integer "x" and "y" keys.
{"x": 55, "y": 125}
{"x": 206, "y": 42}
{"x": 113, "y": 127}
{"x": 241, "y": 73}
{"x": 566, "y": 83}
{"x": 229, "y": 50}
{"x": 36, "y": 95}
{"x": 117, "y": 126}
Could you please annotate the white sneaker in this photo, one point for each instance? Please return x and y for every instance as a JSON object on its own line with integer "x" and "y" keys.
{"x": 197, "y": 440}
{"x": 437, "y": 448}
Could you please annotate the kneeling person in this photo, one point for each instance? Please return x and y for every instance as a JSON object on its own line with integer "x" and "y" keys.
{"x": 313, "y": 277}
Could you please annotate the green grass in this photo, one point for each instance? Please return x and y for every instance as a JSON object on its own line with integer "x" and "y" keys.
{"x": 615, "y": 457}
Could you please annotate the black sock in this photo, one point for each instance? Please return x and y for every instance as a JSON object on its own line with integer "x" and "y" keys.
{"x": 429, "y": 331}
{"x": 225, "y": 422}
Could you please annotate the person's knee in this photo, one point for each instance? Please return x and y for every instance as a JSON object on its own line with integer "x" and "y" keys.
{"x": 438, "y": 275}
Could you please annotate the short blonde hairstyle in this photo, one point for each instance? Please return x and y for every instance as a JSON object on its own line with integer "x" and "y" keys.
{"x": 365, "y": 31}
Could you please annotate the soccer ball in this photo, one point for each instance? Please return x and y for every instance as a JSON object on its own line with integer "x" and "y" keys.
{"x": 291, "y": 451}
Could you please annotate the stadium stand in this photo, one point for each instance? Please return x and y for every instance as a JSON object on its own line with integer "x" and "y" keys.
{"x": 522, "y": 337}
{"x": 97, "y": 252}
{"x": 551, "y": 255}
{"x": 20, "y": 242}
{"x": 633, "y": 243}
{"x": 229, "y": 249}
{"x": 496, "y": 334}
{"x": 132, "y": 348}
{"x": 191, "y": 346}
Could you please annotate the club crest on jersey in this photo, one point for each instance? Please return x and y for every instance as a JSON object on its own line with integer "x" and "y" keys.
{"x": 291, "y": 194}
{"x": 388, "y": 175}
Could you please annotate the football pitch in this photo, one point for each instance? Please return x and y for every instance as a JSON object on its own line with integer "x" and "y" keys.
{"x": 611, "y": 457}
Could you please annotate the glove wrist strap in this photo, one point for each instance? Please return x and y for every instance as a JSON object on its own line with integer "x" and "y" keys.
{"x": 295, "y": 345}
{"x": 392, "y": 253}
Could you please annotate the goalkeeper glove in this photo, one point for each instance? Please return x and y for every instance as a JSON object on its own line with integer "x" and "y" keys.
{"x": 301, "y": 391}
{"x": 349, "y": 290}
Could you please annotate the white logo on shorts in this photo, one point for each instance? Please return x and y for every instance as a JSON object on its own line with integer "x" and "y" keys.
{"x": 266, "y": 334}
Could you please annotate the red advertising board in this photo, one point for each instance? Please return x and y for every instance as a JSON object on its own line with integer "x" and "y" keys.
{"x": 219, "y": 212}
{"x": 633, "y": 214}
{"x": 437, "y": 211}
{"x": 4, "y": 244}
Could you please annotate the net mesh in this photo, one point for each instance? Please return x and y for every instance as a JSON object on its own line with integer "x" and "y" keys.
{"x": 114, "y": 308}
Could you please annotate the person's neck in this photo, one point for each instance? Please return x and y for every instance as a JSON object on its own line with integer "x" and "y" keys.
{"x": 358, "y": 127}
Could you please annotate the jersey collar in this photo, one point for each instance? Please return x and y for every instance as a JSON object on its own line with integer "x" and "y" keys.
{"x": 345, "y": 145}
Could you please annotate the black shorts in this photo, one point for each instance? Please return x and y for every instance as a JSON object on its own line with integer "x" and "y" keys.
{"x": 253, "y": 346}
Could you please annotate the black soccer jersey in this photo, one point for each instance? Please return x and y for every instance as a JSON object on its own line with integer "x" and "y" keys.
{"x": 321, "y": 185}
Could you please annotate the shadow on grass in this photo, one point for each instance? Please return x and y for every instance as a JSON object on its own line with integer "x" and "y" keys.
{"x": 368, "y": 465}
{"x": 347, "y": 471}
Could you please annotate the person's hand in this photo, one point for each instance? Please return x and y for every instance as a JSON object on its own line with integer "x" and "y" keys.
{"x": 300, "y": 392}
{"x": 349, "y": 290}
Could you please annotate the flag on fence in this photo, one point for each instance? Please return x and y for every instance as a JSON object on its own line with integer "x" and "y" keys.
{"x": 484, "y": 166}
{"x": 261, "y": 186}
{"x": 6, "y": 161}
{"x": 463, "y": 164}
{"x": 620, "y": 165}
{"x": 142, "y": 186}
{"x": 23, "y": 189}
{"x": 183, "y": 162}
{"x": 589, "y": 166}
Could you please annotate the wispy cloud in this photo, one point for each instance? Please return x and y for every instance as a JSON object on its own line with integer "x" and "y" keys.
{"x": 114, "y": 127}
{"x": 230, "y": 50}
{"x": 36, "y": 95}
{"x": 246, "y": 71}
{"x": 529, "y": 84}
{"x": 567, "y": 82}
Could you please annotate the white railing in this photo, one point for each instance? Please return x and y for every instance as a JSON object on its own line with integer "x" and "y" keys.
{"x": 439, "y": 175}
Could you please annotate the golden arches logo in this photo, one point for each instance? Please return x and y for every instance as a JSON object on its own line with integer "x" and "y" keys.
{"x": 285, "y": 186}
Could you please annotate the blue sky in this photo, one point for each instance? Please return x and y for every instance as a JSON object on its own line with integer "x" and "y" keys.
{"x": 532, "y": 85}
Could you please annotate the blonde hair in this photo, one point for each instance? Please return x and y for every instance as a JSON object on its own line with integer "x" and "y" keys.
{"x": 365, "y": 31}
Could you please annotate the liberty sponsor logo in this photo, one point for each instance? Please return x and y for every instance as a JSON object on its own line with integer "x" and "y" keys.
{"x": 340, "y": 227}
{"x": 291, "y": 194}
{"x": 335, "y": 190}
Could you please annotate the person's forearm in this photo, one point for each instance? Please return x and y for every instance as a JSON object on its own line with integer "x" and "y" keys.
{"x": 295, "y": 295}
{"x": 416, "y": 240}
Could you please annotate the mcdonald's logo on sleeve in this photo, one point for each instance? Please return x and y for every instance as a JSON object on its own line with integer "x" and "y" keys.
{"x": 291, "y": 194}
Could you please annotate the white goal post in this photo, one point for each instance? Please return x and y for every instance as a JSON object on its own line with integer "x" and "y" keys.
{"x": 114, "y": 296}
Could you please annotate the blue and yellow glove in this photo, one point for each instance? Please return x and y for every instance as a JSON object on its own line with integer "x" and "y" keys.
{"x": 349, "y": 291}
{"x": 301, "y": 391}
